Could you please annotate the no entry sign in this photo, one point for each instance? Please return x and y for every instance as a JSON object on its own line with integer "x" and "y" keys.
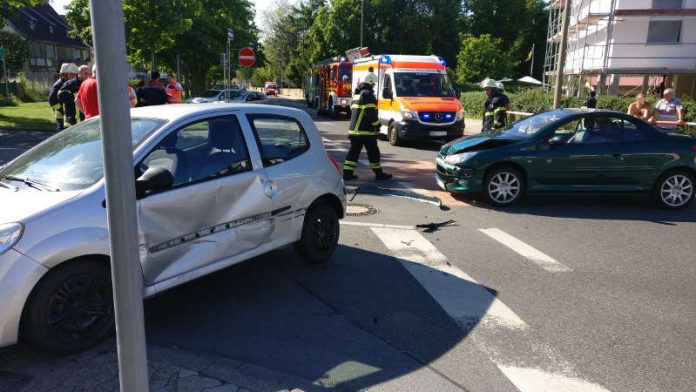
{"x": 246, "y": 57}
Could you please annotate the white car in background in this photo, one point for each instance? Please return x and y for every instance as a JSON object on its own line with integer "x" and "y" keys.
{"x": 216, "y": 185}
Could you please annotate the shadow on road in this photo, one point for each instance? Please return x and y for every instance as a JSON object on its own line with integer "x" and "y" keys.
{"x": 355, "y": 322}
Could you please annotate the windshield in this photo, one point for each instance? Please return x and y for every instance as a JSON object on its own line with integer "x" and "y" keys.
{"x": 72, "y": 159}
{"x": 531, "y": 125}
{"x": 423, "y": 85}
{"x": 271, "y": 86}
{"x": 209, "y": 93}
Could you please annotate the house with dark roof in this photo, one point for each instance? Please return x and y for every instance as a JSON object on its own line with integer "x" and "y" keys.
{"x": 50, "y": 44}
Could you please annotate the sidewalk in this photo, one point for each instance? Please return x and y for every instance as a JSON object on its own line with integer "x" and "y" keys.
{"x": 169, "y": 369}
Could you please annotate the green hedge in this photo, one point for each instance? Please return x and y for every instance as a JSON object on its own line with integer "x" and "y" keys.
{"x": 536, "y": 100}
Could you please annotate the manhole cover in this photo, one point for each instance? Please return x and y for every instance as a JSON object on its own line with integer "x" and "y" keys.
{"x": 360, "y": 209}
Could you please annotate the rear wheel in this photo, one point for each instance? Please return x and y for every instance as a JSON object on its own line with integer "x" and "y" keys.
{"x": 674, "y": 190}
{"x": 320, "y": 233}
{"x": 503, "y": 186}
{"x": 393, "y": 136}
{"x": 71, "y": 309}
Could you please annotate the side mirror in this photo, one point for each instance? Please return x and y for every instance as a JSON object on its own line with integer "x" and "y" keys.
{"x": 558, "y": 139}
{"x": 154, "y": 179}
{"x": 387, "y": 93}
{"x": 457, "y": 92}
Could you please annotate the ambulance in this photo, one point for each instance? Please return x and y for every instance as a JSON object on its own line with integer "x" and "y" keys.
{"x": 415, "y": 98}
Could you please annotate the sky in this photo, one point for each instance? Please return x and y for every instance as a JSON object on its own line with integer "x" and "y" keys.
{"x": 260, "y": 6}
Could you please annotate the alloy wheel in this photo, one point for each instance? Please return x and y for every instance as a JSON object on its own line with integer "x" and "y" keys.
{"x": 504, "y": 187}
{"x": 676, "y": 190}
{"x": 323, "y": 232}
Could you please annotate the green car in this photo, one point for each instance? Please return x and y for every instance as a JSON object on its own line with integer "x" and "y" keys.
{"x": 571, "y": 150}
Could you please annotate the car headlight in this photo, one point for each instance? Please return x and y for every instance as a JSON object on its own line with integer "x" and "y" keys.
{"x": 456, "y": 159}
{"x": 409, "y": 114}
{"x": 459, "y": 116}
{"x": 9, "y": 235}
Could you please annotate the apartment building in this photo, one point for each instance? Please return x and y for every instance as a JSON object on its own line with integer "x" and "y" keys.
{"x": 622, "y": 47}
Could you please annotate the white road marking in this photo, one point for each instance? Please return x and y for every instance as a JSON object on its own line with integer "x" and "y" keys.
{"x": 481, "y": 315}
{"x": 381, "y": 225}
{"x": 452, "y": 285}
{"x": 531, "y": 253}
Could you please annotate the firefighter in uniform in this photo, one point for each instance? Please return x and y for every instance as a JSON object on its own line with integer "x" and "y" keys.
{"x": 495, "y": 108}
{"x": 364, "y": 126}
{"x": 67, "y": 72}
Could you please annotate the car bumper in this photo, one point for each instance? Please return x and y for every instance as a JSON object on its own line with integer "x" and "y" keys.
{"x": 414, "y": 130}
{"x": 18, "y": 276}
{"x": 455, "y": 179}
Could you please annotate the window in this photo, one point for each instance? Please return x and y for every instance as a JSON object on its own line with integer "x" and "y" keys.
{"x": 664, "y": 31}
{"x": 387, "y": 84}
{"x": 597, "y": 129}
{"x": 279, "y": 138}
{"x": 667, "y": 4}
{"x": 632, "y": 133}
{"x": 202, "y": 150}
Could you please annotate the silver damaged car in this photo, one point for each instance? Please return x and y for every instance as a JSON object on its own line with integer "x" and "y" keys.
{"x": 216, "y": 185}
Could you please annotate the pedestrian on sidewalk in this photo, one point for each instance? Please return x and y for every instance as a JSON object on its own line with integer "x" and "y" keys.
{"x": 67, "y": 72}
{"x": 174, "y": 90}
{"x": 640, "y": 108}
{"x": 364, "y": 128}
{"x": 669, "y": 108}
{"x": 591, "y": 101}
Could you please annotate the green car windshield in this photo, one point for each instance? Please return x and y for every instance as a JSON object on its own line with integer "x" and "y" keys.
{"x": 531, "y": 125}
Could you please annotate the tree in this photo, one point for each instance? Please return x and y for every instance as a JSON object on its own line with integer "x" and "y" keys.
{"x": 151, "y": 25}
{"x": 8, "y": 8}
{"x": 482, "y": 57}
{"x": 199, "y": 48}
{"x": 17, "y": 50}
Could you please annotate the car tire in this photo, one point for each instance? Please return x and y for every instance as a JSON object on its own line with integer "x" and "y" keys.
{"x": 70, "y": 309}
{"x": 393, "y": 136}
{"x": 503, "y": 186}
{"x": 320, "y": 233}
{"x": 674, "y": 190}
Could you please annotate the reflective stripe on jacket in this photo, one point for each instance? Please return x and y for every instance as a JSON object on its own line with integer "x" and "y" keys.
{"x": 364, "y": 120}
{"x": 495, "y": 114}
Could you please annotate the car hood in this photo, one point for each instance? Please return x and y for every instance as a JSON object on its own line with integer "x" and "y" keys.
{"x": 21, "y": 204}
{"x": 431, "y": 104}
{"x": 482, "y": 141}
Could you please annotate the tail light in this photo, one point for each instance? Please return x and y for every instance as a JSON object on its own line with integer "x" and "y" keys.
{"x": 335, "y": 163}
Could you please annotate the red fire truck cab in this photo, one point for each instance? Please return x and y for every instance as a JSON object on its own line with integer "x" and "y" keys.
{"x": 327, "y": 87}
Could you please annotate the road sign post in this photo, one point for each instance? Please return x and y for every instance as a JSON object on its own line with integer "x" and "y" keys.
{"x": 109, "y": 36}
{"x": 246, "y": 57}
{"x": 4, "y": 71}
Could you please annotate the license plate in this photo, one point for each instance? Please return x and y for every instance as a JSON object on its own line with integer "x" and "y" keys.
{"x": 440, "y": 183}
{"x": 438, "y": 133}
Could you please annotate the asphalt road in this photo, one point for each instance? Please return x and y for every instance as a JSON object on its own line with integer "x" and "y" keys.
{"x": 560, "y": 293}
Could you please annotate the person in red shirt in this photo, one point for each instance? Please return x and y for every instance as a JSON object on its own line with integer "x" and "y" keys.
{"x": 154, "y": 80}
{"x": 87, "y": 99}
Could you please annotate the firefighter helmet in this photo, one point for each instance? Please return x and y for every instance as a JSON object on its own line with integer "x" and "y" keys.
{"x": 489, "y": 83}
{"x": 500, "y": 86}
{"x": 370, "y": 78}
{"x": 68, "y": 68}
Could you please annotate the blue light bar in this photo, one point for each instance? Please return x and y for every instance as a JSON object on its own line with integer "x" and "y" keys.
{"x": 385, "y": 59}
{"x": 426, "y": 116}
{"x": 448, "y": 116}
{"x": 442, "y": 61}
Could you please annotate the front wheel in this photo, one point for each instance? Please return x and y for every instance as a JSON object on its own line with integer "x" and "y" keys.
{"x": 674, "y": 190}
{"x": 320, "y": 233}
{"x": 71, "y": 309}
{"x": 503, "y": 186}
{"x": 393, "y": 136}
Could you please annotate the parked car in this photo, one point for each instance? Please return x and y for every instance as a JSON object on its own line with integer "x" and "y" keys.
{"x": 572, "y": 150}
{"x": 216, "y": 185}
{"x": 248, "y": 96}
{"x": 213, "y": 95}
{"x": 271, "y": 88}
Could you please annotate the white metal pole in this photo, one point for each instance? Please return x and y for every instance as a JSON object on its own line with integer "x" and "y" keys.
{"x": 126, "y": 273}
{"x": 362, "y": 15}
{"x": 531, "y": 67}
{"x": 4, "y": 71}
{"x": 561, "y": 55}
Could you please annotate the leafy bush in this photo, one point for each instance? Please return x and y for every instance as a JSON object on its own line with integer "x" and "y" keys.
{"x": 8, "y": 101}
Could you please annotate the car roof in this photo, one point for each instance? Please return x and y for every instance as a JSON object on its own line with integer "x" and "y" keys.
{"x": 177, "y": 111}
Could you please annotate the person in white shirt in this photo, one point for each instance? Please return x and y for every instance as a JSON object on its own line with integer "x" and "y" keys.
{"x": 669, "y": 109}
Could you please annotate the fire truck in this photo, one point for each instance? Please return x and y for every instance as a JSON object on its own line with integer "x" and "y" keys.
{"x": 327, "y": 88}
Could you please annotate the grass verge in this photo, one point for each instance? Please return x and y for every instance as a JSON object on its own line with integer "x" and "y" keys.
{"x": 35, "y": 115}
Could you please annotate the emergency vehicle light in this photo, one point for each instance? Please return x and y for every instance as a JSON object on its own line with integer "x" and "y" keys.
{"x": 442, "y": 61}
{"x": 385, "y": 59}
{"x": 448, "y": 116}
